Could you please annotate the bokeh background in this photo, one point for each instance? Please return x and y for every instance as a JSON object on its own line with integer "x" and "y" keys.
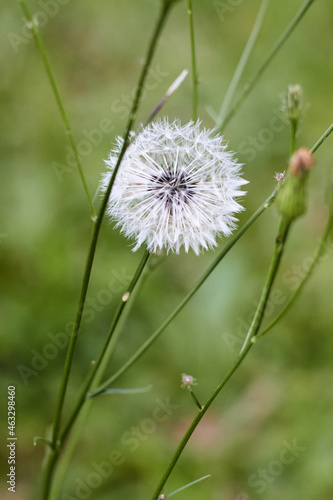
{"x": 282, "y": 396}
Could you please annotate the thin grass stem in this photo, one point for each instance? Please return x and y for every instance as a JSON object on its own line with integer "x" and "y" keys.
{"x": 293, "y": 132}
{"x": 253, "y": 81}
{"x": 241, "y": 65}
{"x": 254, "y": 328}
{"x": 195, "y": 97}
{"x": 267, "y": 203}
{"x": 322, "y": 139}
{"x": 316, "y": 259}
{"x": 82, "y": 406}
{"x": 104, "y": 357}
{"x": 48, "y": 67}
{"x": 92, "y": 248}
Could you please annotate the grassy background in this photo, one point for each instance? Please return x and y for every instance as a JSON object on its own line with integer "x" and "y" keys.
{"x": 283, "y": 391}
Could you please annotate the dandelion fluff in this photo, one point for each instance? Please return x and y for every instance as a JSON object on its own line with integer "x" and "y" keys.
{"x": 177, "y": 187}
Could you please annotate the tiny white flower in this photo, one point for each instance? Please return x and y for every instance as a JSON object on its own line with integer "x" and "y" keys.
{"x": 177, "y": 186}
{"x": 188, "y": 381}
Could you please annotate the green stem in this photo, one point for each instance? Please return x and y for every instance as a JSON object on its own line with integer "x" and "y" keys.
{"x": 196, "y": 400}
{"x": 194, "y": 64}
{"x": 322, "y": 139}
{"x": 82, "y": 406}
{"x": 48, "y": 67}
{"x": 63, "y": 465}
{"x": 267, "y": 203}
{"x": 196, "y": 421}
{"x": 251, "y": 84}
{"x": 102, "y": 361}
{"x": 92, "y": 248}
{"x": 254, "y": 328}
{"x": 278, "y": 251}
{"x": 241, "y": 65}
{"x": 293, "y": 132}
{"x": 318, "y": 253}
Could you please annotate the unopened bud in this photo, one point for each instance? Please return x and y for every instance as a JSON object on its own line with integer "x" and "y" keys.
{"x": 291, "y": 199}
{"x": 301, "y": 161}
{"x": 293, "y": 103}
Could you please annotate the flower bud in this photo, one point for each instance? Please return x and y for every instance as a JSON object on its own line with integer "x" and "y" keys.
{"x": 293, "y": 103}
{"x": 291, "y": 199}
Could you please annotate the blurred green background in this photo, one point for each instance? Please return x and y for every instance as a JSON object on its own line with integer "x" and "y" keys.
{"x": 283, "y": 392}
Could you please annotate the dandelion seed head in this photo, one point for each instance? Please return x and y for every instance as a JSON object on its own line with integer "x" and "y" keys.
{"x": 177, "y": 187}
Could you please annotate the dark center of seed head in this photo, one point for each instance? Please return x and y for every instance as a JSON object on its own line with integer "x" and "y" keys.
{"x": 172, "y": 188}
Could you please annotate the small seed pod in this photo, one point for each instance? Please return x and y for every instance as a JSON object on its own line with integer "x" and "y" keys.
{"x": 291, "y": 201}
{"x": 293, "y": 103}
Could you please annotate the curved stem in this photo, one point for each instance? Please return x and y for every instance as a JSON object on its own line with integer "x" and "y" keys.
{"x": 92, "y": 248}
{"x": 241, "y": 65}
{"x": 267, "y": 203}
{"x": 318, "y": 254}
{"x": 48, "y": 67}
{"x": 251, "y": 84}
{"x": 254, "y": 328}
{"x": 194, "y": 64}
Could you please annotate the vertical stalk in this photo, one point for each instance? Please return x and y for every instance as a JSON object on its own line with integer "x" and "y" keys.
{"x": 279, "y": 44}
{"x": 293, "y": 132}
{"x": 254, "y": 328}
{"x": 194, "y": 64}
{"x": 48, "y": 67}
{"x": 103, "y": 359}
{"x": 92, "y": 248}
{"x": 82, "y": 406}
{"x": 318, "y": 254}
{"x": 280, "y": 241}
{"x": 241, "y": 65}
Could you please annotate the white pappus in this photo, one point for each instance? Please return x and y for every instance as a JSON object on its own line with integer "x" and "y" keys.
{"x": 177, "y": 186}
